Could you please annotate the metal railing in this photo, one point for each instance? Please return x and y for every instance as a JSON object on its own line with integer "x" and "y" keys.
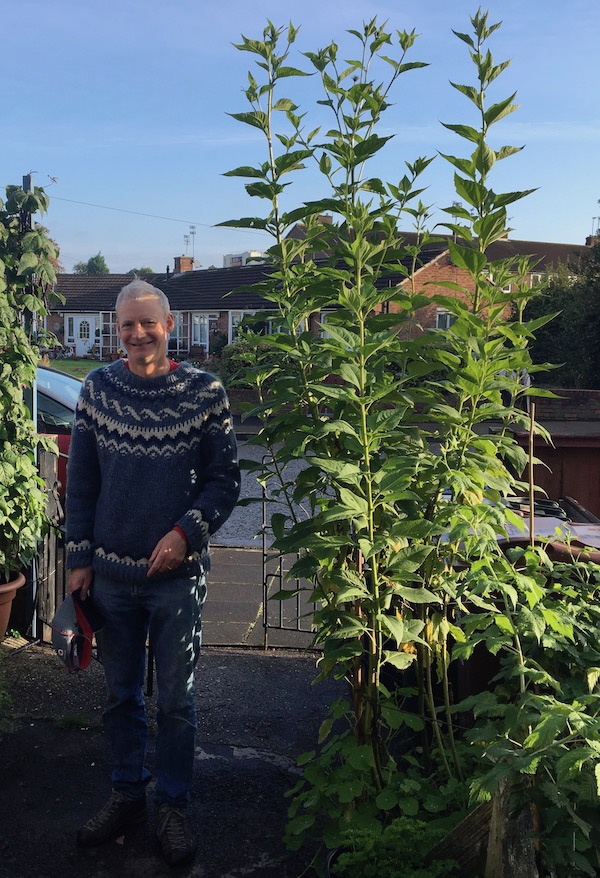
{"x": 292, "y": 613}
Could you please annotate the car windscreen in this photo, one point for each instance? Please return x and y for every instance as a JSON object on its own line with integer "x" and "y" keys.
{"x": 58, "y": 386}
{"x": 53, "y": 416}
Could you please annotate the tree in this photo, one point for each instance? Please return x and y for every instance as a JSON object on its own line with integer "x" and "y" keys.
{"x": 138, "y": 272}
{"x": 571, "y": 340}
{"x": 95, "y": 265}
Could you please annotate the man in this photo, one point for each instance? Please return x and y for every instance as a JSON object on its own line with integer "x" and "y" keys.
{"x": 152, "y": 475}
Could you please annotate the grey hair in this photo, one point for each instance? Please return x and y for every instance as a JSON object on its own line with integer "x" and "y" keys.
{"x": 141, "y": 289}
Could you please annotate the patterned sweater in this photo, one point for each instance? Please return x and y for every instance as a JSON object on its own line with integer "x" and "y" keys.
{"x": 148, "y": 454}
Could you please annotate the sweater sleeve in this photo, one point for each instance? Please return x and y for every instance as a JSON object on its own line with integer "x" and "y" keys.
{"x": 220, "y": 485}
{"x": 83, "y": 486}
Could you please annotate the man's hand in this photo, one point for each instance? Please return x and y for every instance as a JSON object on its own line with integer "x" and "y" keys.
{"x": 168, "y": 553}
{"x": 80, "y": 577}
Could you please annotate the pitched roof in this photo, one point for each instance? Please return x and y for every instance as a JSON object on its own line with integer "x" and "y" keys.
{"x": 209, "y": 290}
{"x": 547, "y": 254}
{"x": 216, "y": 289}
{"x": 89, "y": 292}
{"x": 234, "y": 289}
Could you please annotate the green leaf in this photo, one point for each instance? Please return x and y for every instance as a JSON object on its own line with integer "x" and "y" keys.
{"x": 409, "y": 805}
{"x": 361, "y": 758}
{"x": 465, "y": 257}
{"x": 464, "y": 131}
{"x": 550, "y": 727}
{"x": 246, "y": 171}
{"x": 291, "y": 71}
{"x": 257, "y": 119}
{"x": 394, "y": 625}
{"x": 370, "y": 146}
{"x": 400, "y": 660}
{"x": 386, "y": 800}
{"x": 27, "y": 263}
{"x": 555, "y": 621}
{"x": 500, "y": 110}
{"x": 592, "y": 675}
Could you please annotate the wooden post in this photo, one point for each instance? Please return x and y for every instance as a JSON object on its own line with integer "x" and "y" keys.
{"x": 49, "y": 593}
{"x": 511, "y": 851}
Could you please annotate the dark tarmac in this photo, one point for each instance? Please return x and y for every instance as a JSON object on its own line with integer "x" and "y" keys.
{"x": 257, "y": 712}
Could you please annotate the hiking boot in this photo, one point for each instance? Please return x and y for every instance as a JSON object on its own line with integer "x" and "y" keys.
{"x": 113, "y": 818}
{"x": 174, "y": 834}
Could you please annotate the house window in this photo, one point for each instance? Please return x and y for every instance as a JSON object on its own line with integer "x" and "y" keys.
{"x": 235, "y": 318}
{"x": 176, "y": 336}
{"x": 70, "y": 330}
{"x": 200, "y": 327}
{"x": 444, "y": 319}
{"x": 323, "y": 332}
{"x": 84, "y": 330}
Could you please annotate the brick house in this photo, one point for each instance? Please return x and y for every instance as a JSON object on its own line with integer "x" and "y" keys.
{"x": 208, "y": 305}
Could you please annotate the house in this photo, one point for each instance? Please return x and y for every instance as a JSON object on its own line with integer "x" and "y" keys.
{"x": 208, "y": 305}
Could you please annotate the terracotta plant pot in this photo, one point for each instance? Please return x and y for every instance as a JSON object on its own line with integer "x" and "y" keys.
{"x": 7, "y": 592}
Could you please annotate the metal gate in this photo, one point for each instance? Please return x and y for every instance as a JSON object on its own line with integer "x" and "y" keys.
{"x": 292, "y": 614}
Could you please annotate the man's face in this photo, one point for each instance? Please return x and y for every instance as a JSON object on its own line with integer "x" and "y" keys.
{"x": 144, "y": 332}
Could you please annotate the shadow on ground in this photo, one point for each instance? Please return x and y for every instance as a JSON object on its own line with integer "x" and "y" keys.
{"x": 257, "y": 712}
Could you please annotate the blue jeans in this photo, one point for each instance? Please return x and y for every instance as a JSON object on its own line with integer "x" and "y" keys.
{"x": 171, "y": 613}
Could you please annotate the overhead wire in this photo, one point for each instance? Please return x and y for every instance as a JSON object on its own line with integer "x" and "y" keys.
{"x": 149, "y": 215}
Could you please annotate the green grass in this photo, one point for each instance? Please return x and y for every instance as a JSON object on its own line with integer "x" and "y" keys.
{"x": 73, "y": 721}
{"x": 78, "y": 368}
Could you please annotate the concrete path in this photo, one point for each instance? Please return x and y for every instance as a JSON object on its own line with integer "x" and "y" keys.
{"x": 234, "y": 613}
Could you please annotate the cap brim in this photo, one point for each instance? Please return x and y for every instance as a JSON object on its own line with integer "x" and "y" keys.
{"x": 88, "y": 615}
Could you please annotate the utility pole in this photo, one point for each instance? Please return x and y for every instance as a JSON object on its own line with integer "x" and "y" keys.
{"x": 193, "y": 235}
{"x": 30, "y": 399}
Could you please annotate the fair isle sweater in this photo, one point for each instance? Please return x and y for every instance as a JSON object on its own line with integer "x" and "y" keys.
{"x": 147, "y": 455}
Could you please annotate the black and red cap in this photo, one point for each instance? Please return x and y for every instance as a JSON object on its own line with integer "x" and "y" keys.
{"x": 73, "y": 627}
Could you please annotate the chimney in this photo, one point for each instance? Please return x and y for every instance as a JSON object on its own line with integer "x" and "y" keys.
{"x": 182, "y": 264}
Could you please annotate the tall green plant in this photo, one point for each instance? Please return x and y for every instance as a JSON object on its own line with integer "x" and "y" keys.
{"x": 397, "y": 509}
{"x": 27, "y": 259}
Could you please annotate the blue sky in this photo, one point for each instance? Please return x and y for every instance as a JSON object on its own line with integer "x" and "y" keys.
{"x": 125, "y": 104}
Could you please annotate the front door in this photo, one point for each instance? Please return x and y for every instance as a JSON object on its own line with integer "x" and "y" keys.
{"x": 84, "y": 334}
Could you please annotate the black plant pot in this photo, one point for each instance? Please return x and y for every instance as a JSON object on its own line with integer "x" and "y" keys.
{"x": 331, "y": 860}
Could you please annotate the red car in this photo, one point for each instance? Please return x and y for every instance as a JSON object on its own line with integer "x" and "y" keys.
{"x": 56, "y": 397}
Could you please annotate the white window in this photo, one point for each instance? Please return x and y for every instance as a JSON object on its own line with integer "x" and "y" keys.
{"x": 176, "y": 337}
{"x": 323, "y": 333}
{"x": 235, "y": 318}
{"x": 70, "y": 330}
{"x": 200, "y": 330}
{"x": 444, "y": 319}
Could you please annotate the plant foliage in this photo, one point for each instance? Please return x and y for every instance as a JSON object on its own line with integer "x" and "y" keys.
{"x": 27, "y": 276}
{"x": 408, "y": 457}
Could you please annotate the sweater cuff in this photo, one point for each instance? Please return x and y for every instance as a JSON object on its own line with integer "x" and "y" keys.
{"x": 182, "y": 533}
{"x": 79, "y": 554}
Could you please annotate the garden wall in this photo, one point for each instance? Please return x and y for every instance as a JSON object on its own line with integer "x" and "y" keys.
{"x": 572, "y": 405}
